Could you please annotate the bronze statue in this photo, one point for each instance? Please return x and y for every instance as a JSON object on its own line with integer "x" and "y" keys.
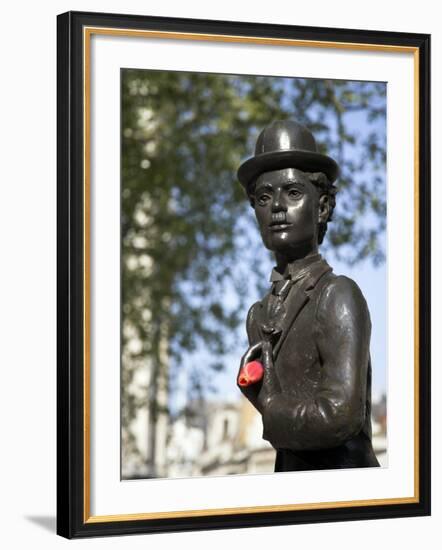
{"x": 311, "y": 332}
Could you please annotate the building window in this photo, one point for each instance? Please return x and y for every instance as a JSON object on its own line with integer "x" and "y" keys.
{"x": 225, "y": 428}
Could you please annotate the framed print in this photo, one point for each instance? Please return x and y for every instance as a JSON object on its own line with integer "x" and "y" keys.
{"x": 176, "y": 409}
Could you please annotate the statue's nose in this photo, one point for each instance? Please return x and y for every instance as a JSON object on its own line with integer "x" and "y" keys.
{"x": 278, "y": 204}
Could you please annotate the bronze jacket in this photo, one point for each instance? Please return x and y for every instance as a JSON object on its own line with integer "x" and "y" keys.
{"x": 319, "y": 415}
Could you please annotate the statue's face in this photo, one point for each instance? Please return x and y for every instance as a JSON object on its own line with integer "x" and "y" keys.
{"x": 287, "y": 209}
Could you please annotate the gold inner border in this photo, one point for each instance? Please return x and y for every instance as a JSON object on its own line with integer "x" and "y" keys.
{"x": 87, "y": 33}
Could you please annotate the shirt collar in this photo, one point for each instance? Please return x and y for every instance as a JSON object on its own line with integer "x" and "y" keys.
{"x": 295, "y": 270}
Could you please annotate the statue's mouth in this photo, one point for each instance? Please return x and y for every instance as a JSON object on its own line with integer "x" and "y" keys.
{"x": 279, "y": 218}
{"x": 279, "y": 226}
{"x": 279, "y": 221}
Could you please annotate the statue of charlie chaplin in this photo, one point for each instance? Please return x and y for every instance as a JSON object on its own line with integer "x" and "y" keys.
{"x": 311, "y": 332}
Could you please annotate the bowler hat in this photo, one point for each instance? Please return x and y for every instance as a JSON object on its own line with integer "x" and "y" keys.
{"x": 286, "y": 144}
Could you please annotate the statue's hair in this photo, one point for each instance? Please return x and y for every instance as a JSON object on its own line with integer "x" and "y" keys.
{"x": 324, "y": 186}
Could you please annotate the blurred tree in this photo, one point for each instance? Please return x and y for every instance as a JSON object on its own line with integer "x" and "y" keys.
{"x": 185, "y": 220}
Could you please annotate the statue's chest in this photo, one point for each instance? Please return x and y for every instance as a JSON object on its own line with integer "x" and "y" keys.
{"x": 298, "y": 363}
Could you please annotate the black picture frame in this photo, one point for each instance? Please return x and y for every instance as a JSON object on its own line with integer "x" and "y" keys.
{"x": 73, "y": 520}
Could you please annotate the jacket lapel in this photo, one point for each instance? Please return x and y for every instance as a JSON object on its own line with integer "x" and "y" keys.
{"x": 298, "y": 296}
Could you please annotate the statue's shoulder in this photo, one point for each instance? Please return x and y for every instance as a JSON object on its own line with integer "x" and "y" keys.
{"x": 341, "y": 299}
{"x": 257, "y": 306}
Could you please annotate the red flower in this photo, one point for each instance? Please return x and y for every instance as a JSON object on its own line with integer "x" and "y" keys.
{"x": 251, "y": 373}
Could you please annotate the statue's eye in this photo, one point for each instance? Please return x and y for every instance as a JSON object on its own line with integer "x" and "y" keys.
{"x": 294, "y": 193}
{"x": 263, "y": 199}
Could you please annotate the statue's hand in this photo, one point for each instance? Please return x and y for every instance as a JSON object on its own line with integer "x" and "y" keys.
{"x": 249, "y": 380}
{"x": 260, "y": 390}
{"x": 253, "y": 353}
{"x": 250, "y": 369}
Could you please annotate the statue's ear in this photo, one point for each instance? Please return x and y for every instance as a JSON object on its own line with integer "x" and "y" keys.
{"x": 324, "y": 209}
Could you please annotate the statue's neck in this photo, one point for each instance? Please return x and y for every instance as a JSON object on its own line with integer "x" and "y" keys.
{"x": 293, "y": 264}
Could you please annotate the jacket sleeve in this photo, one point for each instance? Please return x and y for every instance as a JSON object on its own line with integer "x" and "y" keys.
{"x": 252, "y": 392}
{"x": 334, "y": 411}
{"x": 251, "y": 325}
